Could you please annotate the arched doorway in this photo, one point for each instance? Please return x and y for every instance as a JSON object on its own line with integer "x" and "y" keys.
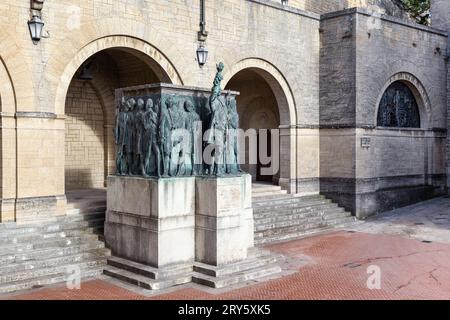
{"x": 90, "y": 112}
{"x": 259, "y": 112}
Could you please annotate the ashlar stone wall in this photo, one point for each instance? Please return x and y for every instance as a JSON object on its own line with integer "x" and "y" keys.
{"x": 382, "y": 168}
{"x": 440, "y": 18}
{"x": 389, "y": 7}
{"x": 85, "y": 138}
{"x": 37, "y": 77}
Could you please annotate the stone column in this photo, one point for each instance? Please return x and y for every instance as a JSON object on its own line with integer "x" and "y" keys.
{"x": 288, "y": 159}
{"x": 223, "y": 219}
{"x": 40, "y": 166}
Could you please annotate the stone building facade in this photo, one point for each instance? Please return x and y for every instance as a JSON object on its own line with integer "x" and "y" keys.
{"x": 315, "y": 69}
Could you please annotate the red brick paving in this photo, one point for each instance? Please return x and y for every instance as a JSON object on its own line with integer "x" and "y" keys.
{"x": 410, "y": 269}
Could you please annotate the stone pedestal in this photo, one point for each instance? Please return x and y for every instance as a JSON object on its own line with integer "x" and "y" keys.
{"x": 151, "y": 221}
{"x": 223, "y": 219}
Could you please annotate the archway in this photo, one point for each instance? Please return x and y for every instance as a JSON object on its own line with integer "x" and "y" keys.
{"x": 415, "y": 89}
{"x": 90, "y": 112}
{"x": 259, "y": 113}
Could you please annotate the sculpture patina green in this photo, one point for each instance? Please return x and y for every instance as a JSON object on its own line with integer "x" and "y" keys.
{"x": 161, "y": 136}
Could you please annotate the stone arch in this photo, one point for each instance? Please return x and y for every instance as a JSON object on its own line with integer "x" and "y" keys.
{"x": 111, "y": 68}
{"x": 286, "y": 176}
{"x": 419, "y": 92}
{"x": 276, "y": 81}
{"x": 7, "y": 92}
{"x": 8, "y": 158}
{"x": 149, "y": 53}
{"x": 18, "y": 76}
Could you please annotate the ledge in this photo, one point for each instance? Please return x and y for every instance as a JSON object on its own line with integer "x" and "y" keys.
{"x": 387, "y": 18}
{"x": 279, "y": 6}
{"x": 172, "y": 87}
{"x": 47, "y": 115}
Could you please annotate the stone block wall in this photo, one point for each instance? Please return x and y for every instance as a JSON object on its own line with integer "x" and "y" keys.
{"x": 365, "y": 167}
{"x": 282, "y": 41}
{"x": 390, "y": 7}
{"x": 241, "y": 34}
{"x": 85, "y": 138}
{"x": 440, "y": 18}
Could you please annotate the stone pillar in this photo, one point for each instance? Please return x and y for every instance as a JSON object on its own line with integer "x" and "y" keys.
{"x": 151, "y": 220}
{"x": 40, "y": 166}
{"x": 288, "y": 159}
{"x": 224, "y": 219}
{"x": 440, "y": 18}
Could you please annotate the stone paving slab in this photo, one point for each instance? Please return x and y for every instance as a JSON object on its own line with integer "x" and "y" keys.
{"x": 428, "y": 220}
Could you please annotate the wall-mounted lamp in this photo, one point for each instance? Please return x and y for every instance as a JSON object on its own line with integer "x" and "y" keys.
{"x": 85, "y": 72}
{"x": 202, "y": 51}
{"x": 35, "y": 25}
{"x": 202, "y": 55}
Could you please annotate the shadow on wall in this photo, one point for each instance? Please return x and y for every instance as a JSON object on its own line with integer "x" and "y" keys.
{"x": 82, "y": 178}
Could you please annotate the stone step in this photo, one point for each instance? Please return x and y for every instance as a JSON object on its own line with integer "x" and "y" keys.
{"x": 301, "y": 234}
{"x": 47, "y": 243}
{"x": 90, "y": 272}
{"x": 281, "y": 235}
{"x": 293, "y": 209}
{"x": 146, "y": 282}
{"x": 288, "y": 206}
{"x": 270, "y": 193}
{"x": 97, "y": 262}
{"x": 51, "y": 227}
{"x": 28, "y": 238}
{"x": 256, "y": 259}
{"x": 300, "y": 215}
{"x": 288, "y": 200}
{"x": 300, "y": 223}
{"x": 265, "y": 188}
{"x": 86, "y": 204}
{"x": 64, "y": 260}
{"x": 148, "y": 271}
{"x": 236, "y": 278}
{"x": 286, "y": 228}
{"x": 87, "y": 211}
{"x": 47, "y": 253}
{"x": 264, "y": 184}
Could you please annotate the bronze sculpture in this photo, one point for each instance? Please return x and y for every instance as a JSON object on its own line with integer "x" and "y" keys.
{"x": 162, "y": 136}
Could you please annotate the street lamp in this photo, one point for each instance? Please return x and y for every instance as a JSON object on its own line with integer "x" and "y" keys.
{"x": 35, "y": 25}
{"x": 202, "y": 55}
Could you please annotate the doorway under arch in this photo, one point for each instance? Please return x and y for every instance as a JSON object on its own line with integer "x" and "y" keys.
{"x": 259, "y": 112}
{"x": 90, "y": 112}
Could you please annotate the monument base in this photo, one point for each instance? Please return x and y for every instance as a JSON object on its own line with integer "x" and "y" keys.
{"x": 223, "y": 219}
{"x": 170, "y": 231}
{"x": 151, "y": 221}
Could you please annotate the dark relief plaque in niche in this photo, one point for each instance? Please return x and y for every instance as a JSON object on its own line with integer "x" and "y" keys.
{"x": 398, "y": 108}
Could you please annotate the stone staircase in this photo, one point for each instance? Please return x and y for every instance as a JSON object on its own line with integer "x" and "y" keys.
{"x": 47, "y": 252}
{"x": 40, "y": 254}
{"x": 280, "y": 216}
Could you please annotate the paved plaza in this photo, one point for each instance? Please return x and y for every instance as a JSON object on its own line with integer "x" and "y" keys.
{"x": 410, "y": 246}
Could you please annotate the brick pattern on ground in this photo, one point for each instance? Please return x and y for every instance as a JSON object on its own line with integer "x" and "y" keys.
{"x": 336, "y": 268}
